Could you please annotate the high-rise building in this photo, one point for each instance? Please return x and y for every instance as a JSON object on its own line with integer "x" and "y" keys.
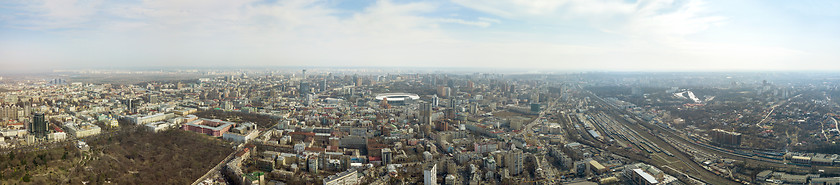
{"x": 304, "y": 88}
{"x": 324, "y": 85}
{"x": 452, "y": 110}
{"x": 435, "y": 100}
{"x": 154, "y": 98}
{"x": 430, "y": 174}
{"x": 38, "y": 126}
{"x": 725, "y": 137}
{"x": 303, "y": 74}
{"x": 425, "y": 113}
{"x": 357, "y": 80}
{"x": 313, "y": 164}
{"x": 386, "y": 156}
{"x": 515, "y": 161}
{"x": 535, "y": 107}
{"x": 444, "y": 91}
{"x": 13, "y": 112}
{"x": 131, "y": 105}
{"x": 535, "y": 98}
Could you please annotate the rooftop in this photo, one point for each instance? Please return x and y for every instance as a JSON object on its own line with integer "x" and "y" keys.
{"x": 211, "y": 124}
{"x": 646, "y": 176}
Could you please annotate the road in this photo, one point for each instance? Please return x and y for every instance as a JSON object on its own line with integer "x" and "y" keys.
{"x": 773, "y": 108}
{"x": 540, "y": 118}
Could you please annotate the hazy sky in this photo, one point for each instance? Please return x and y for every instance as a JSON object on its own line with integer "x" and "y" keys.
{"x": 538, "y": 34}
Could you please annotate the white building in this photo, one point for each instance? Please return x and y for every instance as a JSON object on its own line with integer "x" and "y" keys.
{"x": 82, "y": 129}
{"x": 430, "y": 175}
{"x": 57, "y": 136}
{"x": 142, "y": 120}
{"x": 113, "y": 123}
{"x": 160, "y": 126}
{"x": 348, "y": 177}
{"x": 639, "y": 176}
{"x": 242, "y": 133}
{"x": 14, "y": 133}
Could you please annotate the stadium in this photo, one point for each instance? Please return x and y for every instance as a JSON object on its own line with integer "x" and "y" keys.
{"x": 397, "y": 98}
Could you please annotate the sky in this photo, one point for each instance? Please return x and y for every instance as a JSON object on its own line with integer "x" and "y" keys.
{"x": 562, "y": 35}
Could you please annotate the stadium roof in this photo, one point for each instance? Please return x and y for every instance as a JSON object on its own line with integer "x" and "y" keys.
{"x": 397, "y": 96}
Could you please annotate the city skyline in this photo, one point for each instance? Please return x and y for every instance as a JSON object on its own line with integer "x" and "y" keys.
{"x": 654, "y": 35}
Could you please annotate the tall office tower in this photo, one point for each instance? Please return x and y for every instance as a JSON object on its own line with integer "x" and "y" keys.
{"x": 512, "y": 89}
{"x": 425, "y": 113}
{"x": 131, "y": 105}
{"x": 324, "y": 85}
{"x": 38, "y": 126}
{"x": 435, "y": 100}
{"x": 430, "y": 174}
{"x": 304, "y": 88}
{"x": 303, "y": 74}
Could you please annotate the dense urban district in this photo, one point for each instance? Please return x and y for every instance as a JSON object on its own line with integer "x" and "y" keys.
{"x": 360, "y": 126}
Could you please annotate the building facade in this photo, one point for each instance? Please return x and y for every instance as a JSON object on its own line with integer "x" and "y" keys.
{"x": 725, "y": 137}
{"x": 215, "y": 127}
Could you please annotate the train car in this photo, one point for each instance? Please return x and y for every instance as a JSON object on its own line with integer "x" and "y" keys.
{"x": 797, "y": 164}
{"x": 772, "y": 153}
{"x": 770, "y": 157}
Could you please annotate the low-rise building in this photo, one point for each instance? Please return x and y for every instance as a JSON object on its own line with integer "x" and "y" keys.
{"x": 826, "y": 181}
{"x": 597, "y": 167}
{"x": 639, "y": 176}
{"x": 210, "y": 127}
{"x": 141, "y": 120}
{"x": 160, "y": 126}
{"x": 242, "y": 133}
{"x": 485, "y": 147}
{"x": 348, "y": 177}
{"x": 82, "y": 129}
{"x": 57, "y": 136}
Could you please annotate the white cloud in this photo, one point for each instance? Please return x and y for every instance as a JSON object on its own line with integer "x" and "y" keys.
{"x": 648, "y": 18}
{"x": 490, "y": 20}
{"x": 52, "y": 14}
{"x": 653, "y": 34}
{"x": 465, "y": 22}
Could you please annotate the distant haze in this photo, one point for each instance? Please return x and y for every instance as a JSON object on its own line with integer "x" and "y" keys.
{"x": 643, "y": 35}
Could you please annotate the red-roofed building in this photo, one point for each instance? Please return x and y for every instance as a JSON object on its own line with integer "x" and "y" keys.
{"x": 16, "y": 125}
{"x": 210, "y": 127}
